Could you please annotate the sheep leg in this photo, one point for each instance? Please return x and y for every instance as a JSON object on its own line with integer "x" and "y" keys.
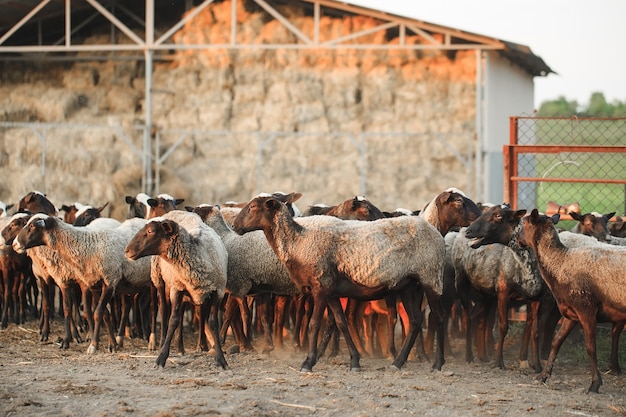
{"x": 342, "y": 323}
{"x": 44, "y": 321}
{"x": 616, "y": 331}
{"x": 300, "y": 313}
{"x": 354, "y": 312}
{"x": 320, "y": 302}
{"x": 67, "y": 312}
{"x": 264, "y": 302}
{"x": 503, "y": 326}
{"x": 436, "y": 307}
{"x": 411, "y": 299}
{"x": 566, "y": 328}
{"x": 7, "y": 296}
{"x": 98, "y": 316}
{"x": 213, "y": 309}
{"x": 531, "y": 334}
{"x": 281, "y": 303}
{"x": 121, "y": 329}
{"x": 175, "y": 320}
{"x": 154, "y": 308}
{"x": 392, "y": 320}
{"x": 589, "y": 329}
{"x": 229, "y": 312}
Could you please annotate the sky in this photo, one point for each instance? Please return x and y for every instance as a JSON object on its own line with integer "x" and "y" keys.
{"x": 583, "y": 41}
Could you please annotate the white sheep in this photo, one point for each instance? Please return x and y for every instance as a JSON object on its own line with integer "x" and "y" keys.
{"x": 191, "y": 259}
{"x": 95, "y": 256}
{"x": 364, "y": 260}
{"x": 49, "y": 269}
{"x": 253, "y": 268}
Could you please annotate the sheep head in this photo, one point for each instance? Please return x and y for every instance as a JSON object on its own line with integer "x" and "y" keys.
{"x": 496, "y": 225}
{"x": 34, "y": 233}
{"x": 17, "y": 223}
{"x": 258, "y": 214}
{"x": 152, "y": 239}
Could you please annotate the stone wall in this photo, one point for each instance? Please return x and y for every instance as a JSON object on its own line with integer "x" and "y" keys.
{"x": 321, "y": 101}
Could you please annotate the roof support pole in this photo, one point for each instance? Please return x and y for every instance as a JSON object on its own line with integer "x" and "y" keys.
{"x": 25, "y": 19}
{"x": 147, "y": 185}
{"x": 480, "y": 85}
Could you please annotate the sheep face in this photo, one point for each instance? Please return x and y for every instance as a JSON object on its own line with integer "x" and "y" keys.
{"x": 151, "y": 239}
{"x": 162, "y": 204}
{"x": 36, "y": 202}
{"x": 592, "y": 224}
{"x": 534, "y": 225}
{"x": 357, "y": 208}
{"x": 16, "y": 224}
{"x": 87, "y": 214}
{"x": 34, "y": 233}
{"x": 496, "y": 225}
{"x": 456, "y": 209}
{"x": 257, "y": 214}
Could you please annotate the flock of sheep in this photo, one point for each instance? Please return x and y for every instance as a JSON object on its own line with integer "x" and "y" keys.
{"x": 317, "y": 272}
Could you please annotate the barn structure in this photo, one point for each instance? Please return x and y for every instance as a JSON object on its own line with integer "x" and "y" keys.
{"x": 217, "y": 100}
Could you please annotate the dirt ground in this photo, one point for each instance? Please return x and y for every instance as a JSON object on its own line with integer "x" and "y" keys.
{"x": 39, "y": 379}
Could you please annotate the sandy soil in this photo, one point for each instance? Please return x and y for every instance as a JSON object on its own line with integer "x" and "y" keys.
{"x": 39, "y": 379}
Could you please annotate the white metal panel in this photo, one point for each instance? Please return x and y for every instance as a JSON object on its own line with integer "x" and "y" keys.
{"x": 508, "y": 91}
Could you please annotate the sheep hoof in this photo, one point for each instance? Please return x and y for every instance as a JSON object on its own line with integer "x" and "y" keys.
{"x": 355, "y": 369}
{"x": 234, "y": 349}
{"x": 91, "y": 350}
{"x": 120, "y": 341}
{"x": 393, "y": 367}
{"x": 524, "y": 365}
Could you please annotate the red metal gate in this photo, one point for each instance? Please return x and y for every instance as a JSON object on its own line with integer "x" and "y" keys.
{"x": 568, "y": 161}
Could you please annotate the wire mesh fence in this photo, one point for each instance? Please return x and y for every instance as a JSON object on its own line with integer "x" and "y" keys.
{"x": 567, "y": 161}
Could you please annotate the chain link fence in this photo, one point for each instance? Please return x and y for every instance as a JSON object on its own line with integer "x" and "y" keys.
{"x": 567, "y": 162}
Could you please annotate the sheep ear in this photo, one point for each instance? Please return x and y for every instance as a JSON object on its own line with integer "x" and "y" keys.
{"x": 179, "y": 201}
{"x": 152, "y": 202}
{"x": 189, "y": 208}
{"x": 168, "y": 227}
{"x": 103, "y": 207}
{"x": 608, "y": 216}
{"x": 555, "y": 218}
{"x": 129, "y": 199}
{"x": 40, "y": 223}
{"x": 272, "y": 204}
{"x": 575, "y": 215}
{"x": 519, "y": 214}
{"x": 293, "y": 197}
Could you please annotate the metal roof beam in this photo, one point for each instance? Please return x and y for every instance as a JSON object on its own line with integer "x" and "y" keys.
{"x": 23, "y": 21}
{"x": 121, "y": 26}
{"x": 360, "y": 34}
{"x": 284, "y": 21}
{"x": 182, "y": 22}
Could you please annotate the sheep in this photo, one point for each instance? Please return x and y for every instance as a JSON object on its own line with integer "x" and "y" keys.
{"x": 494, "y": 271}
{"x": 15, "y": 270}
{"x": 191, "y": 259}
{"x": 588, "y": 283}
{"x": 49, "y": 269}
{"x": 143, "y": 206}
{"x": 37, "y": 202}
{"x": 592, "y": 224}
{"x": 363, "y": 260}
{"x": 357, "y": 208}
{"x": 86, "y": 214}
{"x": 618, "y": 228}
{"x": 70, "y": 211}
{"x": 95, "y": 256}
{"x": 253, "y": 268}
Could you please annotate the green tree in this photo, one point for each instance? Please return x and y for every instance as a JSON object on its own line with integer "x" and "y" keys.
{"x": 598, "y": 107}
{"x": 558, "y": 108}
